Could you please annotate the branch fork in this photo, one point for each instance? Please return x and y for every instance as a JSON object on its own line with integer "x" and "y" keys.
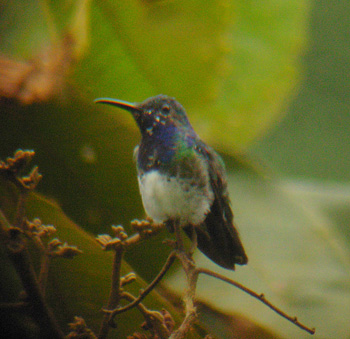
{"x": 192, "y": 273}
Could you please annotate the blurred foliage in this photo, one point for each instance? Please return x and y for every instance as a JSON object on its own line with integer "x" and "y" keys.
{"x": 313, "y": 139}
{"x": 234, "y": 65}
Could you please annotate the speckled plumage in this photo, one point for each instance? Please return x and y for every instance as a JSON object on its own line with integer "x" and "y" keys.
{"x": 181, "y": 179}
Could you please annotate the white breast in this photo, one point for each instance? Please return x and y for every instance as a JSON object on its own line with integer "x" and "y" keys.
{"x": 168, "y": 198}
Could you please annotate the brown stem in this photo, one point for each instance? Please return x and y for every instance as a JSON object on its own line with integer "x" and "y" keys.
{"x": 114, "y": 296}
{"x": 44, "y": 272}
{"x": 154, "y": 319}
{"x": 260, "y": 297}
{"x": 189, "y": 297}
{"x": 179, "y": 241}
{"x": 148, "y": 289}
{"x": 20, "y": 210}
{"x": 40, "y": 310}
{"x": 194, "y": 241}
{"x": 18, "y": 254}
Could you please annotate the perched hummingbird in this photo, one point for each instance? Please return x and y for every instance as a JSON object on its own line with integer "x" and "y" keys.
{"x": 183, "y": 180}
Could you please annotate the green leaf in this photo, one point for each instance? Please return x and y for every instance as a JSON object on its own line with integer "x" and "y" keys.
{"x": 265, "y": 41}
{"x": 231, "y": 66}
{"x": 80, "y": 286}
{"x": 159, "y": 45}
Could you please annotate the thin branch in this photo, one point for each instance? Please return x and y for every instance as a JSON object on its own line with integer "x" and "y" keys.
{"x": 155, "y": 320}
{"x": 148, "y": 289}
{"x": 44, "y": 272}
{"x": 192, "y": 273}
{"x": 17, "y": 252}
{"x": 13, "y": 241}
{"x": 119, "y": 244}
{"x": 79, "y": 330}
{"x": 20, "y": 210}
{"x": 114, "y": 296}
{"x": 189, "y": 297}
{"x": 179, "y": 241}
{"x": 21, "y": 260}
{"x": 260, "y": 297}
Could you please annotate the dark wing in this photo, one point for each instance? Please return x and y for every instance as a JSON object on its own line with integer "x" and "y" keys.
{"x": 217, "y": 237}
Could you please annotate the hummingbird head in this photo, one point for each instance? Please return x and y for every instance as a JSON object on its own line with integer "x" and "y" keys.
{"x": 158, "y": 113}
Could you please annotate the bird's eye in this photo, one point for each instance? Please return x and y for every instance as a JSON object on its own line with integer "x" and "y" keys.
{"x": 165, "y": 109}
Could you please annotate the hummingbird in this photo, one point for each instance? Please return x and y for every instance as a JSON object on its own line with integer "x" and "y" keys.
{"x": 182, "y": 180}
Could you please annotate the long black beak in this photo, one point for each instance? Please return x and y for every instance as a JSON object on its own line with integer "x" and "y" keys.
{"x": 132, "y": 108}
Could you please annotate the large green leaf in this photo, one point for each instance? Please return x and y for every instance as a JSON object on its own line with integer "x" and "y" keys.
{"x": 262, "y": 71}
{"x": 224, "y": 61}
{"x": 77, "y": 287}
{"x": 231, "y": 64}
{"x": 81, "y": 286}
{"x": 172, "y": 47}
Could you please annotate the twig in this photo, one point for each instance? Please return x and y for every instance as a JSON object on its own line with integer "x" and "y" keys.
{"x": 20, "y": 210}
{"x": 119, "y": 244}
{"x": 192, "y": 273}
{"x": 155, "y": 320}
{"x": 147, "y": 290}
{"x": 192, "y": 278}
{"x": 44, "y": 272}
{"x": 21, "y": 260}
{"x": 179, "y": 241}
{"x": 114, "y": 296}
{"x": 12, "y": 237}
{"x": 260, "y": 297}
